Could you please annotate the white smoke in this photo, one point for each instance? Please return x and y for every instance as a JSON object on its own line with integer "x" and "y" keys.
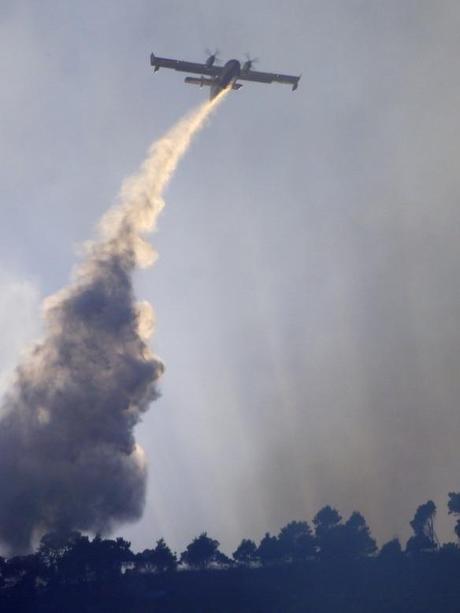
{"x": 68, "y": 456}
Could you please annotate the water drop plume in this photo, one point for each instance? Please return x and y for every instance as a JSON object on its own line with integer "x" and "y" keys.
{"x": 68, "y": 456}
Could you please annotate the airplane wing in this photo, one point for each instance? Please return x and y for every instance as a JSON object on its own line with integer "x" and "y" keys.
{"x": 194, "y": 68}
{"x": 269, "y": 77}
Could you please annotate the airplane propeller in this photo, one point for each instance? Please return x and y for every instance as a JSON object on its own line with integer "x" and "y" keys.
{"x": 249, "y": 62}
{"x": 213, "y": 57}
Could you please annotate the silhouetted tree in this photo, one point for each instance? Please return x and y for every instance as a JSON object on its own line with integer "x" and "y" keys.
{"x": 454, "y": 508}
{"x": 110, "y": 556}
{"x": 296, "y": 542}
{"x": 75, "y": 566}
{"x": 422, "y": 524}
{"x": 325, "y": 520}
{"x": 391, "y": 550}
{"x": 201, "y": 552}
{"x": 358, "y": 541}
{"x": 95, "y": 560}
{"x": 246, "y": 552}
{"x": 222, "y": 560}
{"x": 328, "y": 537}
{"x": 269, "y": 551}
{"x": 160, "y": 559}
{"x": 336, "y": 539}
{"x": 53, "y": 545}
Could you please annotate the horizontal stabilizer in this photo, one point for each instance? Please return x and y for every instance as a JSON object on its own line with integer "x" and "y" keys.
{"x": 199, "y": 81}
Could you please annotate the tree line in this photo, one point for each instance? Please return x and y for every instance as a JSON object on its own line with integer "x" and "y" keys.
{"x": 76, "y": 556}
{"x": 70, "y": 559}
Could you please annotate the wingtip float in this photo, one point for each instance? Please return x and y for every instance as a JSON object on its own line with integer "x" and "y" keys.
{"x": 218, "y": 78}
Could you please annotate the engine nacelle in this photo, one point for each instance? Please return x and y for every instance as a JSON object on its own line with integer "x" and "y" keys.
{"x": 210, "y": 61}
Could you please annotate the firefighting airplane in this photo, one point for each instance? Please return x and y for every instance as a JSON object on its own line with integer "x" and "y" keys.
{"x": 219, "y": 78}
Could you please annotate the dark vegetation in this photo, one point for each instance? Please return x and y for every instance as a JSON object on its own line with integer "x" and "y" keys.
{"x": 333, "y": 566}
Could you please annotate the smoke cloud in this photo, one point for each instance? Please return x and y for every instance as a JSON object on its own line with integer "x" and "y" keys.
{"x": 68, "y": 456}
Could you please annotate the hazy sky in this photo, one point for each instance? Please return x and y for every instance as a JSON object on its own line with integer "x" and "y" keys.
{"x": 306, "y": 292}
